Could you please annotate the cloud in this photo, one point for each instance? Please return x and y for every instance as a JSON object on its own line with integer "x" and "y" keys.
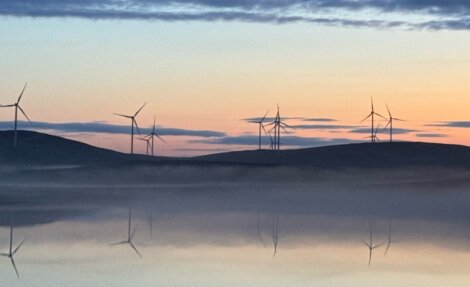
{"x": 454, "y": 124}
{"x": 431, "y": 135}
{"x": 269, "y": 119}
{"x": 319, "y": 120}
{"x": 102, "y": 127}
{"x": 292, "y": 141}
{"x": 383, "y": 131}
{"x": 439, "y": 14}
{"x": 322, "y": 127}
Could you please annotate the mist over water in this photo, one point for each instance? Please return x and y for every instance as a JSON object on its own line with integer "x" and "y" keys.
{"x": 224, "y": 233}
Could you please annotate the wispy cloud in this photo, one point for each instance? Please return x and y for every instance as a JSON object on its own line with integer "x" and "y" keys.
{"x": 431, "y": 135}
{"x": 383, "y": 131}
{"x": 438, "y": 14}
{"x": 452, "y": 124}
{"x": 269, "y": 119}
{"x": 318, "y": 120}
{"x": 291, "y": 141}
{"x": 323, "y": 127}
{"x": 102, "y": 127}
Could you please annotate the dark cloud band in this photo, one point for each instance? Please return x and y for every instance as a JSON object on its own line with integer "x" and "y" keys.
{"x": 101, "y": 127}
{"x": 450, "y": 14}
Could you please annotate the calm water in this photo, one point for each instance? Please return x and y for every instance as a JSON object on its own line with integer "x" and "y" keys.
{"x": 225, "y": 235}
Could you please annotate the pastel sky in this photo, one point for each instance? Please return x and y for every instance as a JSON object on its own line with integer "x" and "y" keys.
{"x": 206, "y": 67}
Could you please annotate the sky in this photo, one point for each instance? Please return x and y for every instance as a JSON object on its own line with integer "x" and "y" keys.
{"x": 207, "y": 68}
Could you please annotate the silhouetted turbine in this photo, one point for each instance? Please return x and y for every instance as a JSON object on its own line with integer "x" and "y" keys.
{"x": 376, "y": 138}
{"x": 275, "y": 232}
{"x": 390, "y": 123}
{"x": 278, "y": 124}
{"x": 261, "y": 128}
{"x": 17, "y": 107}
{"x": 130, "y": 236}
{"x": 133, "y": 122}
{"x": 371, "y": 245}
{"x": 147, "y": 142}
{"x": 12, "y": 252}
{"x": 258, "y": 229}
{"x": 389, "y": 239}
{"x": 153, "y": 134}
{"x": 372, "y": 115}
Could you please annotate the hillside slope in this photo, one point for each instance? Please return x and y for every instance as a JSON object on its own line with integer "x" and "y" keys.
{"x": 42, "y": 149}
{"x": 364, "y": 155}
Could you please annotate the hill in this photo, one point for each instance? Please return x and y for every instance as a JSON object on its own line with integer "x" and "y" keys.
{"x": 43, "y": 149}
{"x": 363, "y": 155}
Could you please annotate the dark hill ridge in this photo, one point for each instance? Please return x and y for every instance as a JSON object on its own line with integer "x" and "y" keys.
{"x": 42, "y": 149}
{"x": 363, "y": 155}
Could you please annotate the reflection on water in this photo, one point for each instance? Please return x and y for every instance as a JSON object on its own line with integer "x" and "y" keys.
{"x": 219, "y": 236}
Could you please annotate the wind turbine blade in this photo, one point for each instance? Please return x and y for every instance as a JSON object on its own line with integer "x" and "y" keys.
{"x": 371, "y": 103}
{"x": 14, "y": 266}
{"x": 4, "y": 254}
{"x": 135, "y": 249}
{"x": 264, "y": 117}
{"x": 125, "y": 116}
{"x": 388, "y": 123}
{"x": 6, "y": 106}
{"x": 388, "y": 247}
{"x": 286, "y": 125}
{"x": 24, "y": 114}
{"x": 137, "y": 126}
{"x": 154, "y": 123}
{"x": 365, "y": 243}
{"x": 388, "y": 110}
{"x": 377, "y": 246}
{"x": 377, "y": 114}
{"x": 138, "y": 111}
{"x": 118, "y": 243}
{"x": 366, "y": 118}
{"x": 21, "y": 95}
{"x": 396, "y": 119}
{"x": 17, "y": 248}
{"x": 133, "y": 233}
{"x": 160, "y": 138}
{"x": 264, "y": 129}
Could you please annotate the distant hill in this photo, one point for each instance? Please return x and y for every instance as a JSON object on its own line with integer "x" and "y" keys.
{"x": 363, "y": 155}
{"x": 42, "y": 149}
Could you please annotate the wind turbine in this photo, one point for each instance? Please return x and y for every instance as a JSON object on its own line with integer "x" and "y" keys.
{"x": 371, "y": 245}
{"x": 372, "y": 115}
{"x": 258, "y": 229}
{"x": 12, "y": 251}
{"x": 153, "y": 134}
{"x": 17, "y": 107}
{"x": 261, "y": 127}
{"x": 376, "y": 138}
{"x": 278, "y": 125}
{"x": 147, "y": 141}
{"x": 130, "y": 236}
{"x": 275, "y": 232}
{"x": 133, "y": 122}
{"x": 389, "y": 239}
{"x": 151, "y": 224}
{"x": 390, "y": 123}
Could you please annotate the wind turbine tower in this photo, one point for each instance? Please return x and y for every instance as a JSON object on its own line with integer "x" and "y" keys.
{"x": 133, "y": 122}
{"x": 17, "y": 107}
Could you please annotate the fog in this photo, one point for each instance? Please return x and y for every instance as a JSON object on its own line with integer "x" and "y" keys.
{"x": 235, "y": 210}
